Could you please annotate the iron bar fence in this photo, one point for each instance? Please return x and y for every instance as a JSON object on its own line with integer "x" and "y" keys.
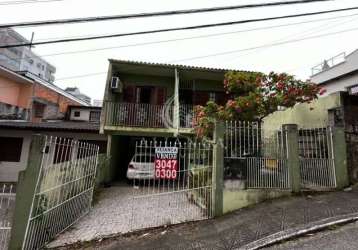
{"x": 178, "y": 184}
{"x": 255, "y": 156}
{"x": 63, "y": 191}
{"x": 136, "y": 114}
{"x": 316, "y": 158}
{"x": 7, "y": 205}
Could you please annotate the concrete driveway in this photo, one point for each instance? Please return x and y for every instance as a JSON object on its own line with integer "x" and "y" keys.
{"x": 123, "y": 208}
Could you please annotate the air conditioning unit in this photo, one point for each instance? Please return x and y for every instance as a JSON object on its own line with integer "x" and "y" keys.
{"x": 116, "y": 84}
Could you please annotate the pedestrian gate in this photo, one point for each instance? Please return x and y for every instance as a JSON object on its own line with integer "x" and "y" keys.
{"x": 173, "y": 183}
{"x": 64, "y": 189}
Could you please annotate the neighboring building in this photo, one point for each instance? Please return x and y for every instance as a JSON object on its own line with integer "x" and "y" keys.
{"x": 88, "y": 114}
{"x": 76, "y": 92}
{"x": 15, "y": 137}
{"x": 24, "y": 96}
{"x": 23, "y": 58}
{"x": 153, "y": 100}
{"x": 97, "y": 103}
{"x": 339, "y": 73}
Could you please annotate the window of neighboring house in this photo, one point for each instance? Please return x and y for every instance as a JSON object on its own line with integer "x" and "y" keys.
{"x": 39, "y": 110}
{"x": 10, "y": 149}
{"x": 77, "y": 114}
{"x": 94, "y": 116}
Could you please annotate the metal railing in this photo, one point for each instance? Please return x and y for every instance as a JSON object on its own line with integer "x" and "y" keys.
{"x": 255, "y": 156}
{"x": 187, "y": 115}
{"x": 326, "y": 64}
{"x": 7, "y": 206}
{"x": 64, "y": 189}
{"x": 135, "y": 114}
{"x": 316, "y": 158}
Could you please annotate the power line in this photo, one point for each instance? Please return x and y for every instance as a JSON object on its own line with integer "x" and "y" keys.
{"x": 231, "y": 51}
{"x": 156, "y": 14}
{"x": 213, "y": 34}
{"x": 27, "y": 2}
{"x": 177, "y": 29}
{"x": 184, "y": 38}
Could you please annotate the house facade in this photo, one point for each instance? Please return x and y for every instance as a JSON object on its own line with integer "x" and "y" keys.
{"x": 339, "y": 73}
{"x": 25, "y": 96}
{"x": 153, "y": 100}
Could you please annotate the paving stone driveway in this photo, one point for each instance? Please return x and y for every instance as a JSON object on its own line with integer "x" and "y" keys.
{"x": 241, "y": 227}
{"x": 117, "y": 211}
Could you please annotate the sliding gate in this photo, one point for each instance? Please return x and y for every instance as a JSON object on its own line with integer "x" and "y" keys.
{"x": 173, "y": 183}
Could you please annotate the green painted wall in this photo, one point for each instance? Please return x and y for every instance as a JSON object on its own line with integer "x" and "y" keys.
{"x": 236, "y": 199}
{"x": 302, "y": 115}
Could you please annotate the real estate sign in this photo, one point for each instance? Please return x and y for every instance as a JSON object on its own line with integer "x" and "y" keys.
{"x": 166, "y": 163}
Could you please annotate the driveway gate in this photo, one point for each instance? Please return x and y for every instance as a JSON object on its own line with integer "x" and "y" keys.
{"x": 173, "y": 183}
{"x": 64, "y": 189}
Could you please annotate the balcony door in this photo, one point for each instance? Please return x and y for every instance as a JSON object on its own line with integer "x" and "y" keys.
{"x": 145, "y": 94}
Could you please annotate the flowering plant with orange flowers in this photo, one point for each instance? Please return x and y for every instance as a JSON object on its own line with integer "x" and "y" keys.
{"x": 253, "y": 96}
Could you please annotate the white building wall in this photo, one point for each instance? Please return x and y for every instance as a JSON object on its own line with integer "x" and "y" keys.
{"x": 342, "y": 84}
{"x": 9, "y": 171}
{"x": 84, "y": 114}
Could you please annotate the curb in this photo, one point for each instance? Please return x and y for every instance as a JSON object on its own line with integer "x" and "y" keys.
{"x": 301, "y": 230}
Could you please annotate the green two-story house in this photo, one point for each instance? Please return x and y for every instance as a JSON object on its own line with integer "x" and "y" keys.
{"x": 146, "y": 100}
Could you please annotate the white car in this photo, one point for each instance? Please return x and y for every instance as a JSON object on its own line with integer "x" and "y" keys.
{"x": 141, "y": 167}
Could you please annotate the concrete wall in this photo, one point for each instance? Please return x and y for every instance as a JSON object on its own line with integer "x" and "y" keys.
{"x": 14, "y": 93}
{"x": 234, "y": 199}
{"x": 302, "y": 114}
{"x": 9, "y": 170}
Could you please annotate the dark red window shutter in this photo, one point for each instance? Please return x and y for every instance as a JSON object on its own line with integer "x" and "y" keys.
{"x": 161, "y": 95}
{"x": 201, "y": 98}
{"x": 129, "y": 94}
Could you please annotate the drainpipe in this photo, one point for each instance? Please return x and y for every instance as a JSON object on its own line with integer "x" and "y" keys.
{"x": 176, "y": 104}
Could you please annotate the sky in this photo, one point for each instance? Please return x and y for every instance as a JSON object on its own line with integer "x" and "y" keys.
{"x": 77, "y": 66}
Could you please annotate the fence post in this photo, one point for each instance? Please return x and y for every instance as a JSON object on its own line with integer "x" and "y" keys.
{"x": 25, "y": 192}
{"x": 293, "y": 160}
{"x": 340, "y": 157}
{"x": 218, "y": 169}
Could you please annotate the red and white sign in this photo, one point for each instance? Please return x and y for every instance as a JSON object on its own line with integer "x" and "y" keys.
{"x": 166, "y": 163}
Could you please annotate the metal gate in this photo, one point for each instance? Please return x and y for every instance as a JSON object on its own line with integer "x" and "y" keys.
{"x": 172, "y": 183}
{"x": 7, "y": 205}
{"x": 316, "y": 158}
{"x": 63, "y": 191}
{"x": 256, "y": 157}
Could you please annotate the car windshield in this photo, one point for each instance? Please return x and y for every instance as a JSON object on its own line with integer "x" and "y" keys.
{"x": 143, "y": 158}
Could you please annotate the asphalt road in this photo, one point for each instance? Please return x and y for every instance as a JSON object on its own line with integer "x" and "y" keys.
{"x": 340, "y": 238}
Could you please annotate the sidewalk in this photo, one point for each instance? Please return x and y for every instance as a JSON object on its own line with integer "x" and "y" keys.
{"x": 244, "y": 226}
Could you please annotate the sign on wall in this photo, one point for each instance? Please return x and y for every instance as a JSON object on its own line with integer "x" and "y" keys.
{"x": 166, "y": 163}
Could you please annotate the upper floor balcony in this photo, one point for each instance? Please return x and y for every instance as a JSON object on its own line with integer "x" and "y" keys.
{"x": 122, "y": 115}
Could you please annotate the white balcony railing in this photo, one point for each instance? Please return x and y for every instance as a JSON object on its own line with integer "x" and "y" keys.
{"x": 136, "y": 114}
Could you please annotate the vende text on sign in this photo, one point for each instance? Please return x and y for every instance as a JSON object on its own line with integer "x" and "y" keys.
{"x": 166, "y": 162}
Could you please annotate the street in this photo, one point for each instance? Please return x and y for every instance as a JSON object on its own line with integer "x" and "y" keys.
{"x": 340, "y": 238}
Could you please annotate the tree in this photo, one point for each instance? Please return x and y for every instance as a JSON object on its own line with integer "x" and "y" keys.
{"x": 252, "y": 96}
